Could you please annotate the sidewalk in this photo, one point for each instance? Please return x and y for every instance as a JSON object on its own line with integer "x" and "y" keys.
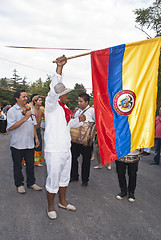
{"x": 99, "y": 215}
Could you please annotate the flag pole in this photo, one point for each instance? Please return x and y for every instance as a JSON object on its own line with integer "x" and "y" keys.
{"x": 80, "y": 55}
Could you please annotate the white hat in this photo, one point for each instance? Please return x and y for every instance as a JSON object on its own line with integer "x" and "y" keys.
{"x": 61, "y": 89}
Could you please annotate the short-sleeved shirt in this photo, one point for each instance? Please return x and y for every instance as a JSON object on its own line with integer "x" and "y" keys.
{"x": 88, "y": 112}
{"x": 23, "y": 136}
{"x": 158, "y": 127}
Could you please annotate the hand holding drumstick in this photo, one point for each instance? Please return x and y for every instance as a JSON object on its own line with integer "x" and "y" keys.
{"x": 82, "y": 118}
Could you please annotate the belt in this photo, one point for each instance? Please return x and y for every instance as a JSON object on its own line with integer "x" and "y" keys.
{"x": 129, "y": 159}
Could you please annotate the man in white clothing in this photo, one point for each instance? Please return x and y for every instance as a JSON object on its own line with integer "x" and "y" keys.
{"x": 57, "y": 141}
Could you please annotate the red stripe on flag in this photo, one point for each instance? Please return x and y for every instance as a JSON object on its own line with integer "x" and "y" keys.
{"x": 103, "y": 110}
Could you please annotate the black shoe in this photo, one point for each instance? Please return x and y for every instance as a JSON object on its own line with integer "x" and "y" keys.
{"x": 84, "y": 184}
{"x": 121, "y": 195}
{"x": 131, "y": 197}
{"x": 154, "y": 163}
{"x": 73, "y": 179}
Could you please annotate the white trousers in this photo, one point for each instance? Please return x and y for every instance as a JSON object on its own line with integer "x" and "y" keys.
{"x": 58, "y": 170}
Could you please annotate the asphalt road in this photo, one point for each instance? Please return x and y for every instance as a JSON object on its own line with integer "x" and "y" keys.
{"x": 99, "y": 215}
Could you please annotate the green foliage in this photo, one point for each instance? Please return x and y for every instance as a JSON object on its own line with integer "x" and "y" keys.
{"x": 7, "y": 97}
{"x": 150, "y": 17}
{"x": 37, "y": 87}
{"x": 3, "y": 82}
{"x": 72, "y": 102}
{"x": 73, "y": 96}
{"x": 24, "y": 84}
{"x": 40, "y": 87}
{"x": 47, "y": 83}
{"x": 91, "y": 99}
{"x": 16, "y": 80}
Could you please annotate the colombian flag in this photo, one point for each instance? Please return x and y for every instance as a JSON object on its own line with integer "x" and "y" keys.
{"x": 124, "y": 82}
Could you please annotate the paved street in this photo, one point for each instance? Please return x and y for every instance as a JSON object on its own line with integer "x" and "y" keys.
{"x": 99, "y": 215}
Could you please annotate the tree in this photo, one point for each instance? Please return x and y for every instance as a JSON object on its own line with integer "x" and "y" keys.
{"x": 150, "y": 18}
{"x": 3, "y": 82}
{"x": 47, "y": 83}
{"x": 6, "y": 97}
{"x": 15, "y": 79}
{"x": 40, "y": 87}
{"x": 24, "y": 84}
{"x": 73, "y": 96}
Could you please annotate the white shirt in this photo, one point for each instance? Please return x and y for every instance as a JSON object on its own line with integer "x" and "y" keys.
{"x": 3, "y": 116}
{"x": 23, "y": 136}
{"x": 57, "y": 132}
{"x": 89, "y": 113}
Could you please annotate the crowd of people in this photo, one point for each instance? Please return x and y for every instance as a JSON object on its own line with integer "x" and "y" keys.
{"x": 25, "y": 123}
{"x": 3, "y": 118}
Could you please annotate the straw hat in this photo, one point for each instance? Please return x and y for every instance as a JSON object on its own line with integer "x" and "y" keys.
{"x": 61, "y": 89}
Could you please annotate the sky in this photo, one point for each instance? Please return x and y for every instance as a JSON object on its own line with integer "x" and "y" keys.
{"x": 84, "y": 24}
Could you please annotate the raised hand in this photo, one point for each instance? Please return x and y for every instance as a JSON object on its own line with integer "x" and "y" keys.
{"x": 61, "y": 61}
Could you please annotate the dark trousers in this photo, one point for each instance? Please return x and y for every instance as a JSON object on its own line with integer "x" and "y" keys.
{"x": 3, "y": 125}
{"x": 157, "y": 150}
{"x": 132, "y": 175}
{"x": 76, "y": 150}
{"x": 17, "y": 155}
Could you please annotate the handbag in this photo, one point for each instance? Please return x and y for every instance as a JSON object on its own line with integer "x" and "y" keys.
{"x": 85, "y": 134}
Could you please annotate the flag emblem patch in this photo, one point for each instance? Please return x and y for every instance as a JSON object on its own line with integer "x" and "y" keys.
{"x": 124, "y": 102}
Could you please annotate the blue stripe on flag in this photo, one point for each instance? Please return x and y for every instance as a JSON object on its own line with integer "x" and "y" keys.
{"x": 121, "y": 124}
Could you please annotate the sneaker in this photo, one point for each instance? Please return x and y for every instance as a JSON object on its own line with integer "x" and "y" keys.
{"x": 40, "y": 165}
{"x": 131, "y": 197}
{"x": 121, "y": 195}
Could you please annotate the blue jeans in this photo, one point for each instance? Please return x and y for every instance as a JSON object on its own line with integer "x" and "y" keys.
{"x": 157, "y": 150}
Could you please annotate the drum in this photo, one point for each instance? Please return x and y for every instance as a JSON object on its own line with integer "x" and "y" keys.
{"x": 85, "y": 134}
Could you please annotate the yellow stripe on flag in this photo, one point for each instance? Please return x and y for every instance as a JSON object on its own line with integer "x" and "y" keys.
{"x": 140, "y": 74}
